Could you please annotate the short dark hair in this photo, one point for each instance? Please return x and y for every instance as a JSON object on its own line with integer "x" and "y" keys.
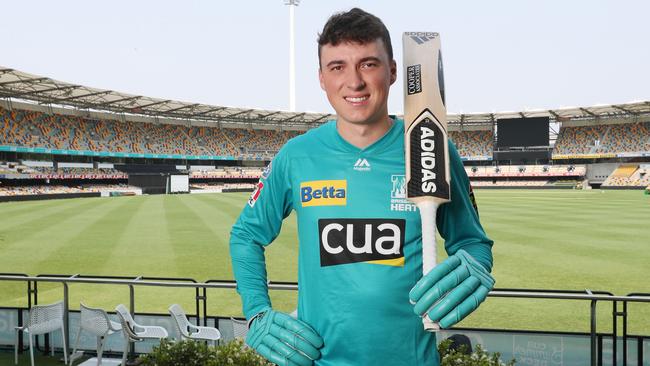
{"x": 355, "y": 25}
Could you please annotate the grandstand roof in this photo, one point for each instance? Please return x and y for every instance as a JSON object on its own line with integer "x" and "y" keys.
{"x": 42, "y": 90}
{"x": 22, "y": 86}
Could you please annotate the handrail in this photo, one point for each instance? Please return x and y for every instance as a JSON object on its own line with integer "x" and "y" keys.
{"x": 516, "y": 293}
{"x": 585, "y": 295}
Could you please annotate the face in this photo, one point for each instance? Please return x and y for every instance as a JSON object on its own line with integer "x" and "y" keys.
{"x": 356, "y": 78}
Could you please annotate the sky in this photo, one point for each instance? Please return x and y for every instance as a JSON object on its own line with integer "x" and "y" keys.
{"x": 500, "y": 55}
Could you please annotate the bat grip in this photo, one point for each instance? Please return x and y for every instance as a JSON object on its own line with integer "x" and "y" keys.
{"x": 429, "y": 255}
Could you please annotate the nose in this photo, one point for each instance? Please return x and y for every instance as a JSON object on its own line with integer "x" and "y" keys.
{"x": 355, "y": 80}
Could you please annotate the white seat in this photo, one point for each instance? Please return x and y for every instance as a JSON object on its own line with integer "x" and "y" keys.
{"x": 134, "y": 332}
{"x": 43, "y": 319}
{"x": 188, "y": 330}
{"x": 96, "y": 322}
{"x": 239, "y": 328}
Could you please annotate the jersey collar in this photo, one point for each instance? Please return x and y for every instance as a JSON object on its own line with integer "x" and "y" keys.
{"x": 387, "y": 140}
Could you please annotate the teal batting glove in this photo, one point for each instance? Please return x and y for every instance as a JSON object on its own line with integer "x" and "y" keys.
{"x": 451, "y": 290}
{"x": 283, "y": 340}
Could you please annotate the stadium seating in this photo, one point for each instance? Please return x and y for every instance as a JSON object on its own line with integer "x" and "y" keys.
{"x": 39, "y": 130}
{"x": 61, "y": 189}
{"x": 220, "y": 187}
{"x": 502, "y": 171}
{"x": 474, "y": 145}
{"x": 509, "y": 183}
{"x": 629, "y": 175}
{"x": 35, "y": 129}
{"x": 603, "y": 139}
{"x": 526, "y": 175}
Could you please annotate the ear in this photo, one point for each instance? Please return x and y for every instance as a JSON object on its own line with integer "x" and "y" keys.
{"x": 393, "y": 71}
{"x": 320, "y": 78}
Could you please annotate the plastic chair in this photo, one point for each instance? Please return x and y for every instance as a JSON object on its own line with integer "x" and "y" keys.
{"x": 134, "y": 332}
{"x": 96, "y": 322}
{"x": 188, "y": 330}
{"x": 239, "y": 328}
{"x": 43, "y": 319}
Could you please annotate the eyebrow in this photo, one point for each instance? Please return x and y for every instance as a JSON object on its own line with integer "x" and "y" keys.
{"x": 365, "y": 59}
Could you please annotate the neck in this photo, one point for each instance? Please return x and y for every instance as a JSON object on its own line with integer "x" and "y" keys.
{"x": 363, "y": 135}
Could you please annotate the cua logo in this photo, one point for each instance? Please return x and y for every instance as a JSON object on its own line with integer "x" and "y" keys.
{"x": 378, "y": 241}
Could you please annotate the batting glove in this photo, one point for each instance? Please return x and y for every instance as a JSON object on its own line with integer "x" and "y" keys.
{"x": 283, "y": 340}
{"x": 451, "y": 290}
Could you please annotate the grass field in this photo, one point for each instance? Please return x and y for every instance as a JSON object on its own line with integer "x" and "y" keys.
{"x": 564, "y": 239}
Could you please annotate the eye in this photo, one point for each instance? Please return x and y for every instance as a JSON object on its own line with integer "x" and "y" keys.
{"x": 368, "y": 65}
{"x": 336, "y": 68}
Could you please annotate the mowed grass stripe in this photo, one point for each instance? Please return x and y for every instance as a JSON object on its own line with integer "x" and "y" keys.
{"x": 543, "y": 239}
{"x": 93, "y": 242}
{"x": 43, "y": 244}
{"x": 282, "y": 253}
{"x": 217, "y": 220}
{"x": 15, "y": 209}
{"x": 581, "y": 240}
{"x": 21, "y": 228}
{"x": 142, "y": 246}
{"x": 195, "y": 227}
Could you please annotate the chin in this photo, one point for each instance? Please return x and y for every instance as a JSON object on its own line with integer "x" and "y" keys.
{"x": 359, "y": 121}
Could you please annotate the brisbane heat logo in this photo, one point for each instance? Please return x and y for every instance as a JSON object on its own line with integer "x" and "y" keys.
{"x": 398, "y": 200}
{"x": 377, "y": 241}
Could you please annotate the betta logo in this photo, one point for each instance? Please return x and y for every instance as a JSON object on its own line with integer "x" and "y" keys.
{"x": 323, "y": 193}
{"x": 377, "y": 241}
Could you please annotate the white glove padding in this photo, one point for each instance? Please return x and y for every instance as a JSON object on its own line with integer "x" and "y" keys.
{"x": 284, "y": 340}
{"x": 451, "y": 290}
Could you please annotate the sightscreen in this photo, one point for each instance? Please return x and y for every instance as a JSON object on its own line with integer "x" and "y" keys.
{"x": 179, "y": 183}
{"x": 522, "y": 132}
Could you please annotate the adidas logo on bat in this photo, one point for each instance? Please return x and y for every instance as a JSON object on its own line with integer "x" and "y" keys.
{"x": 427, "y": 171}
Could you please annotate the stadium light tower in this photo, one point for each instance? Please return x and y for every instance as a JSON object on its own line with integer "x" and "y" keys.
{"x": 292, "y": 54}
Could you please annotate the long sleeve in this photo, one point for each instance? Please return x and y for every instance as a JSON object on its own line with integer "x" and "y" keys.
{"x": 257, "y": 226}
{"x": 458, "y": 221}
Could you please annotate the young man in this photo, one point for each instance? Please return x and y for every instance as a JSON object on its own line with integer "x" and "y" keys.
{"x": 360, "y": 249}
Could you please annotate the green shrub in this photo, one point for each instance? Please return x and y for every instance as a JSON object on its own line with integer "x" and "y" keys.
{"x": 235, "y": 353}
{"x": 480, "y": 357}
{"x": 186, "y": 353}
{"x": 191, "y": 353}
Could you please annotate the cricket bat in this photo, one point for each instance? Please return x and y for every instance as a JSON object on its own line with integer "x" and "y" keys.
{"x": 425, "y": 123}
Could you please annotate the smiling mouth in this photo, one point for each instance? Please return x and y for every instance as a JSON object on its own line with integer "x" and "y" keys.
{"x": 357, "y": 99}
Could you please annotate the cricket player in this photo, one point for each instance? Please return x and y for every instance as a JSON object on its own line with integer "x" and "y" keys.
{"x": 361, "y": 294}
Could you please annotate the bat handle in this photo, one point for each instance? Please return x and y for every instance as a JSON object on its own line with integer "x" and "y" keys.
{"x": 428, "y": 218}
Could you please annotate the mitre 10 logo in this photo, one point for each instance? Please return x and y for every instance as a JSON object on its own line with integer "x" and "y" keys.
{"x": 378, "y": 241}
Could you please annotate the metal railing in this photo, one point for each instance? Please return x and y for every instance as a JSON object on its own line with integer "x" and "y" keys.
{"x": 201, "y": 300}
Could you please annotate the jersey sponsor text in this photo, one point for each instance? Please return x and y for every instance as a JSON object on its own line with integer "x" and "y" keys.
{"x": 323, "y": 193}
{"x": 378, "y": 241}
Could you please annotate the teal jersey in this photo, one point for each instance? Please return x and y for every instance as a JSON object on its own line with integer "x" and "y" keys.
{"x": 359, "y": 244}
